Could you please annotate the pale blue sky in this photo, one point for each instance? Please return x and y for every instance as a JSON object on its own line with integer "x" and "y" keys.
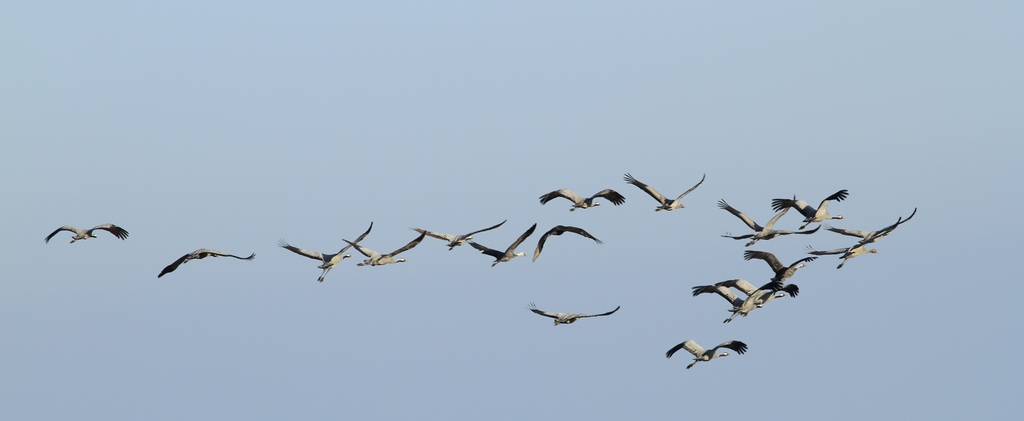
{"x": 233, "y": 124}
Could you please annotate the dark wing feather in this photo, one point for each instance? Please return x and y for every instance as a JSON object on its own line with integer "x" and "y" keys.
{"x": 358, "y": 239}
{"x": 411, "y": 244}
{"x": 533, "y": 308}
{"x": 612, "y": 196}
{"x": 746, "y": 219}
{"x": 487, "y": 250}
{"x": 486, "y": 229}
{"x": 737, "y": 346}
{"x": 780, "y": 204}
{"x": 519, "y": 240}
{"x": 772, "y": 261}
{"x": 64, "y": 228}
{"x": 559, "y": 230}
{"x": 650, "y": 190}
{"x": 113, "y": 229}
{"x": 599, "y": 315}
{"x": 692, "y": 188}
{"x": 171, "y": 267}
{"x": 566, "y": 193}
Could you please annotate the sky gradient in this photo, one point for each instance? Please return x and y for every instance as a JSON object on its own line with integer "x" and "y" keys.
{"x": 234, "y": 124}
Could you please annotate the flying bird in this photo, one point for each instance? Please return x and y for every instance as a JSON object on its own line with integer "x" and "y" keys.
{"x": 872, "y": 236}
{"x": 701, "y": 354}
{"x": 760, "y": 233}
{"x": 846, "y": 252}
{"x": 567, "y": 318}
{"x": 199, "y": 254}
{"x": 509, "y": 253}
{"x": 581, "y": 203}
{"x": 756, "y": 297}
{"x": 81, "y": 234}
{"x": 377, "y": 259}
{"x": 867, "y": 237}
{"x": 329, "y": 260}
{"x": 811, "y": 215}
{"x": 455, "y": 240}
{"x": 782, "y": 272}
{"x": 559, "y": 230}
{"x": 665, "y": 204}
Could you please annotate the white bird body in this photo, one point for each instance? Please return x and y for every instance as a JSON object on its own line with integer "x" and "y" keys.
{"x": 760, "y": 233}
{"x": 81, "y": 234}
{"x": 199, "y": 254}
{"x": 509, "y": 253}
{"x": 581, "y": 202}
{"x": 455, "y": 240}
{"x": 664, "y": 203}
{"x": 330, "y": 261}
{"x": 701, "y": 354}
{"x": 567, "y": 318}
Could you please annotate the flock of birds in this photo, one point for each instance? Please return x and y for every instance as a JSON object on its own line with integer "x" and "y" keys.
{"x": 756, "y": 297}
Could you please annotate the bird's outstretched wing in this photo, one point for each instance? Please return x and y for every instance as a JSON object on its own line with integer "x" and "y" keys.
{"x": 566, "y": 193}
{"x": 485, "y": 229}
{"x": 519, "y": 240}
{"x": 411, "y": 244}
{"x": 598, "y": 315}
{"x": 559, "y": 230}
{"x": 533, "y": 308}
{"x": 689, "y": 345}
{"x": 64, "y": 228}
{"x": 487, "y": 250}
{"x": 302, "y": 252}
{"x": 737, "y": 346}
{"x": 772, "y": 261}
{"x": 650, "y": 190}
{"x": 111, "y": 228}
{"x": 691, "y": 188}
{"x": 612, "y": 196}
{"x": 743, "y": 217}
{"x": 171, "y": 267}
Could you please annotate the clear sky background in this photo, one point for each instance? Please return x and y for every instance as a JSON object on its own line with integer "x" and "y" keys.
{"x": 229, "y": 125}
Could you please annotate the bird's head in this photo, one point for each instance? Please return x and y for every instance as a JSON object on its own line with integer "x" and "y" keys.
{"x": 724, "y": 354}
{"x": 399, "y": 260}
{"x": 346, "y": 256}
{"x": 873, "y": 251}
{"x": 521, "y": 254}
{"x": 837, "y": 217}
